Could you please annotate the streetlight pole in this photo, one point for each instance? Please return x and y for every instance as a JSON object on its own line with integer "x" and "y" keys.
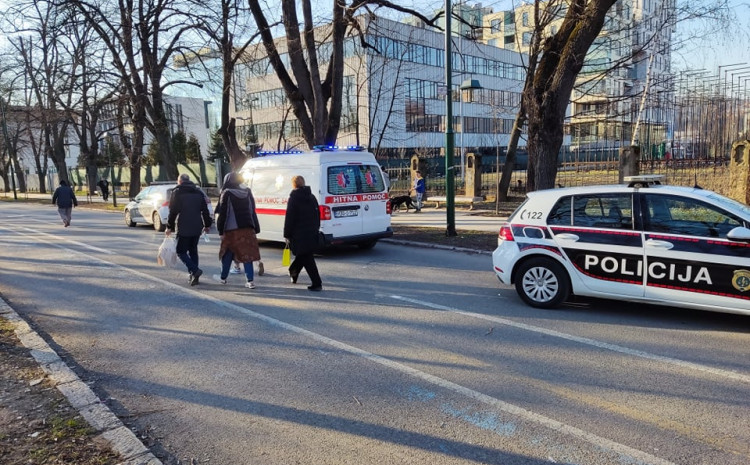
{"x": 450, "y": 213}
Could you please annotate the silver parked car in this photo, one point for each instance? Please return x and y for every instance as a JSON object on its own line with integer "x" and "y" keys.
{"x": 151, "y": 206}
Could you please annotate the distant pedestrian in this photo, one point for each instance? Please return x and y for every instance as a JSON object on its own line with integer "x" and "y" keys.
{"x": 188, "y": 210}
{"x": 301, "y": 231}
{"x": 104, "y": 186}
{"x": 237, "y": 223}
{"x": 419, "y": 190}
{"x": 65, "y": 199}
{"x": 386, "y": 179}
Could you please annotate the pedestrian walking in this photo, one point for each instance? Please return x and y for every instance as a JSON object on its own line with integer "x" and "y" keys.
{"x": 301, "y": 231}
{"x": 386, "y": 179}
{"x": 237, "y": 223}
{"x": 188, "y": 218}
{"x": 104, "y": 186}
{"x": 419, "y": 189}
{"x": 65, "y": 199}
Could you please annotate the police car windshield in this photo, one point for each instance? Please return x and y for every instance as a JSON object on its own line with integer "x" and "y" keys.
{"x": 729, "y": 203}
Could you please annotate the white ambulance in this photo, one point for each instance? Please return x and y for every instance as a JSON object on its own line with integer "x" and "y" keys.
{"x": 347, "y": 182}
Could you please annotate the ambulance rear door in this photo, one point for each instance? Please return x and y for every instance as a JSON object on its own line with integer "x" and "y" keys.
{"x": 356, "y": 195}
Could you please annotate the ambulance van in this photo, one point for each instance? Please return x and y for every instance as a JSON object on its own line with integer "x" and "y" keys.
{"x": 347, "y": 182}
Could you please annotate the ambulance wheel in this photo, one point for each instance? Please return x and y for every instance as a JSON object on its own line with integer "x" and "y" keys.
{"x": 367, "y": 245}
{"x": 158, "y": 224}
{"x": 542, "y": 283}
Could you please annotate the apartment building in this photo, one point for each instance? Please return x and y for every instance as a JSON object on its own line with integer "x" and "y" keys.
{"x": 394, "y": 100}
{"x": 624, "y": 90}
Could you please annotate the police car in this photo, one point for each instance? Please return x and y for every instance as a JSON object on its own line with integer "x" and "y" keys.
{"x": 642, "y": 242}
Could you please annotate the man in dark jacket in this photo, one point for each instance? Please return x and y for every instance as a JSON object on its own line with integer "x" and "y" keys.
{"x": 65, "y": 200}
{"x": 189, "y": 209}
{"x": 104, "y": 186}
{"x": 301, "y": 230}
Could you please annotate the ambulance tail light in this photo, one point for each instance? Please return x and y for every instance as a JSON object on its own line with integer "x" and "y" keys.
{"x": 505, "y": 234}
{"x": 388, "y": 208}
{"x": 325, "y": 212}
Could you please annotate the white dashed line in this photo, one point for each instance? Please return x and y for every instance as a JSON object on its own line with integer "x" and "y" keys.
{"x": 584, "y": 340}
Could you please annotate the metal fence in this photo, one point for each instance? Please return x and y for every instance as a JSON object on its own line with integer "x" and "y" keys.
{"x": 708, "y": 174}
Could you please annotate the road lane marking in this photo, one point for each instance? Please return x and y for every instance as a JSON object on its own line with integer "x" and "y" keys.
{"x": 584, "y": 340}
{"x": 512, "y": 409}
{"x": 52, "y": 236}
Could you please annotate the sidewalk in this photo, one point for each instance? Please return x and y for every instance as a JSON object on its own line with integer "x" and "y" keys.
{"x": 437, "y": 218}
{"x": 82, "y": 198}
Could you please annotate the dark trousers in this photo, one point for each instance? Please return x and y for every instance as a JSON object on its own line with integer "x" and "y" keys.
{"x": 308, "y": 263}
{"x": 187, "y": 250}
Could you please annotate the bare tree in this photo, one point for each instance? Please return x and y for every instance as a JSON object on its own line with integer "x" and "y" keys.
{"x": 555, "y": 61}
{"x": 225, "y": 34}
{"x": 143, "y": 37}
{"x": 315, "y": 99}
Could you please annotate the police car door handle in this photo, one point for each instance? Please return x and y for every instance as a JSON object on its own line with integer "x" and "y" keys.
{"x": 567, "y": 237}
{"x": 659, "y": 244}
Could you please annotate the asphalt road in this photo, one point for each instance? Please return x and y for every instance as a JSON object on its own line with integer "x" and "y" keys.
{"x": 409, "y": 355}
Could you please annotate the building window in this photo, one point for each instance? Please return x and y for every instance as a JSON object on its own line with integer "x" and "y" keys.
{"x": 525, "y": 18}
{"x": 495, "y": 25}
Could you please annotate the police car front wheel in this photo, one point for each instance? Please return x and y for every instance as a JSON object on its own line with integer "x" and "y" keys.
{"x": 542, "y": 283}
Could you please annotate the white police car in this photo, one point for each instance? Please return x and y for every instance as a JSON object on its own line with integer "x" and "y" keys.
{"x": 642, "y": 242}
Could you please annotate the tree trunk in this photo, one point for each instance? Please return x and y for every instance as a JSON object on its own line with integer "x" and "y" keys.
{"x": 562, "y": 58}
{"x": 20, "y": 178}
{"x": 510, "y": 156}
{"x": 236, "y": 156}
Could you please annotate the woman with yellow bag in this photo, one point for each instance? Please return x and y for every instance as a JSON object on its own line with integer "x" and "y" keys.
{"x": 301, "y": 230}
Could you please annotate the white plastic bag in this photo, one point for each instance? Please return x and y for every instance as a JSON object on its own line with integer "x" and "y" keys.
{"x": 167, "y": 254}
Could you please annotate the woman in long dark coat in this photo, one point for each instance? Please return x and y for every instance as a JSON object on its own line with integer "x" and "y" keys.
{"x": 238, "y": 225}
{"x": 301, "y": 229}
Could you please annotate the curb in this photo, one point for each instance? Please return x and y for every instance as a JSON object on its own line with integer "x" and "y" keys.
{"x": 110, "y": 428}
{"x": 428, "y": 245}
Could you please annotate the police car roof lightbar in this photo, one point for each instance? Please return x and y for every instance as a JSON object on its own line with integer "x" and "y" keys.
{"x": 644, "y": 180}
{"x": 333, "y": 148}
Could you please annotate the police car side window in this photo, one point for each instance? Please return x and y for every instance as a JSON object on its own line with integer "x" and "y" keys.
{"x": 560, "y": 213}
{"x": 612, "y": 211}
{"x": 683, "y": 215}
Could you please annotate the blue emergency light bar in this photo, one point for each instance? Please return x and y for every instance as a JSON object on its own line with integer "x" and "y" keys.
{"x": 281, "y": 152}
{"x": 334, "y": 148}
{"x": 317, "y": 148}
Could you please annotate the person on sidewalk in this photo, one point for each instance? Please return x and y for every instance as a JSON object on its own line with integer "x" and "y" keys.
{"x": 65, "y": 199}
{"x": 301, "y": 231}
{"x": 189, "y": 210}
{"x": 386, "y": 179}
{"x": 237, "y": 223}
{"x": 419, "y": 189}
{"x": 104, "y": 186}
